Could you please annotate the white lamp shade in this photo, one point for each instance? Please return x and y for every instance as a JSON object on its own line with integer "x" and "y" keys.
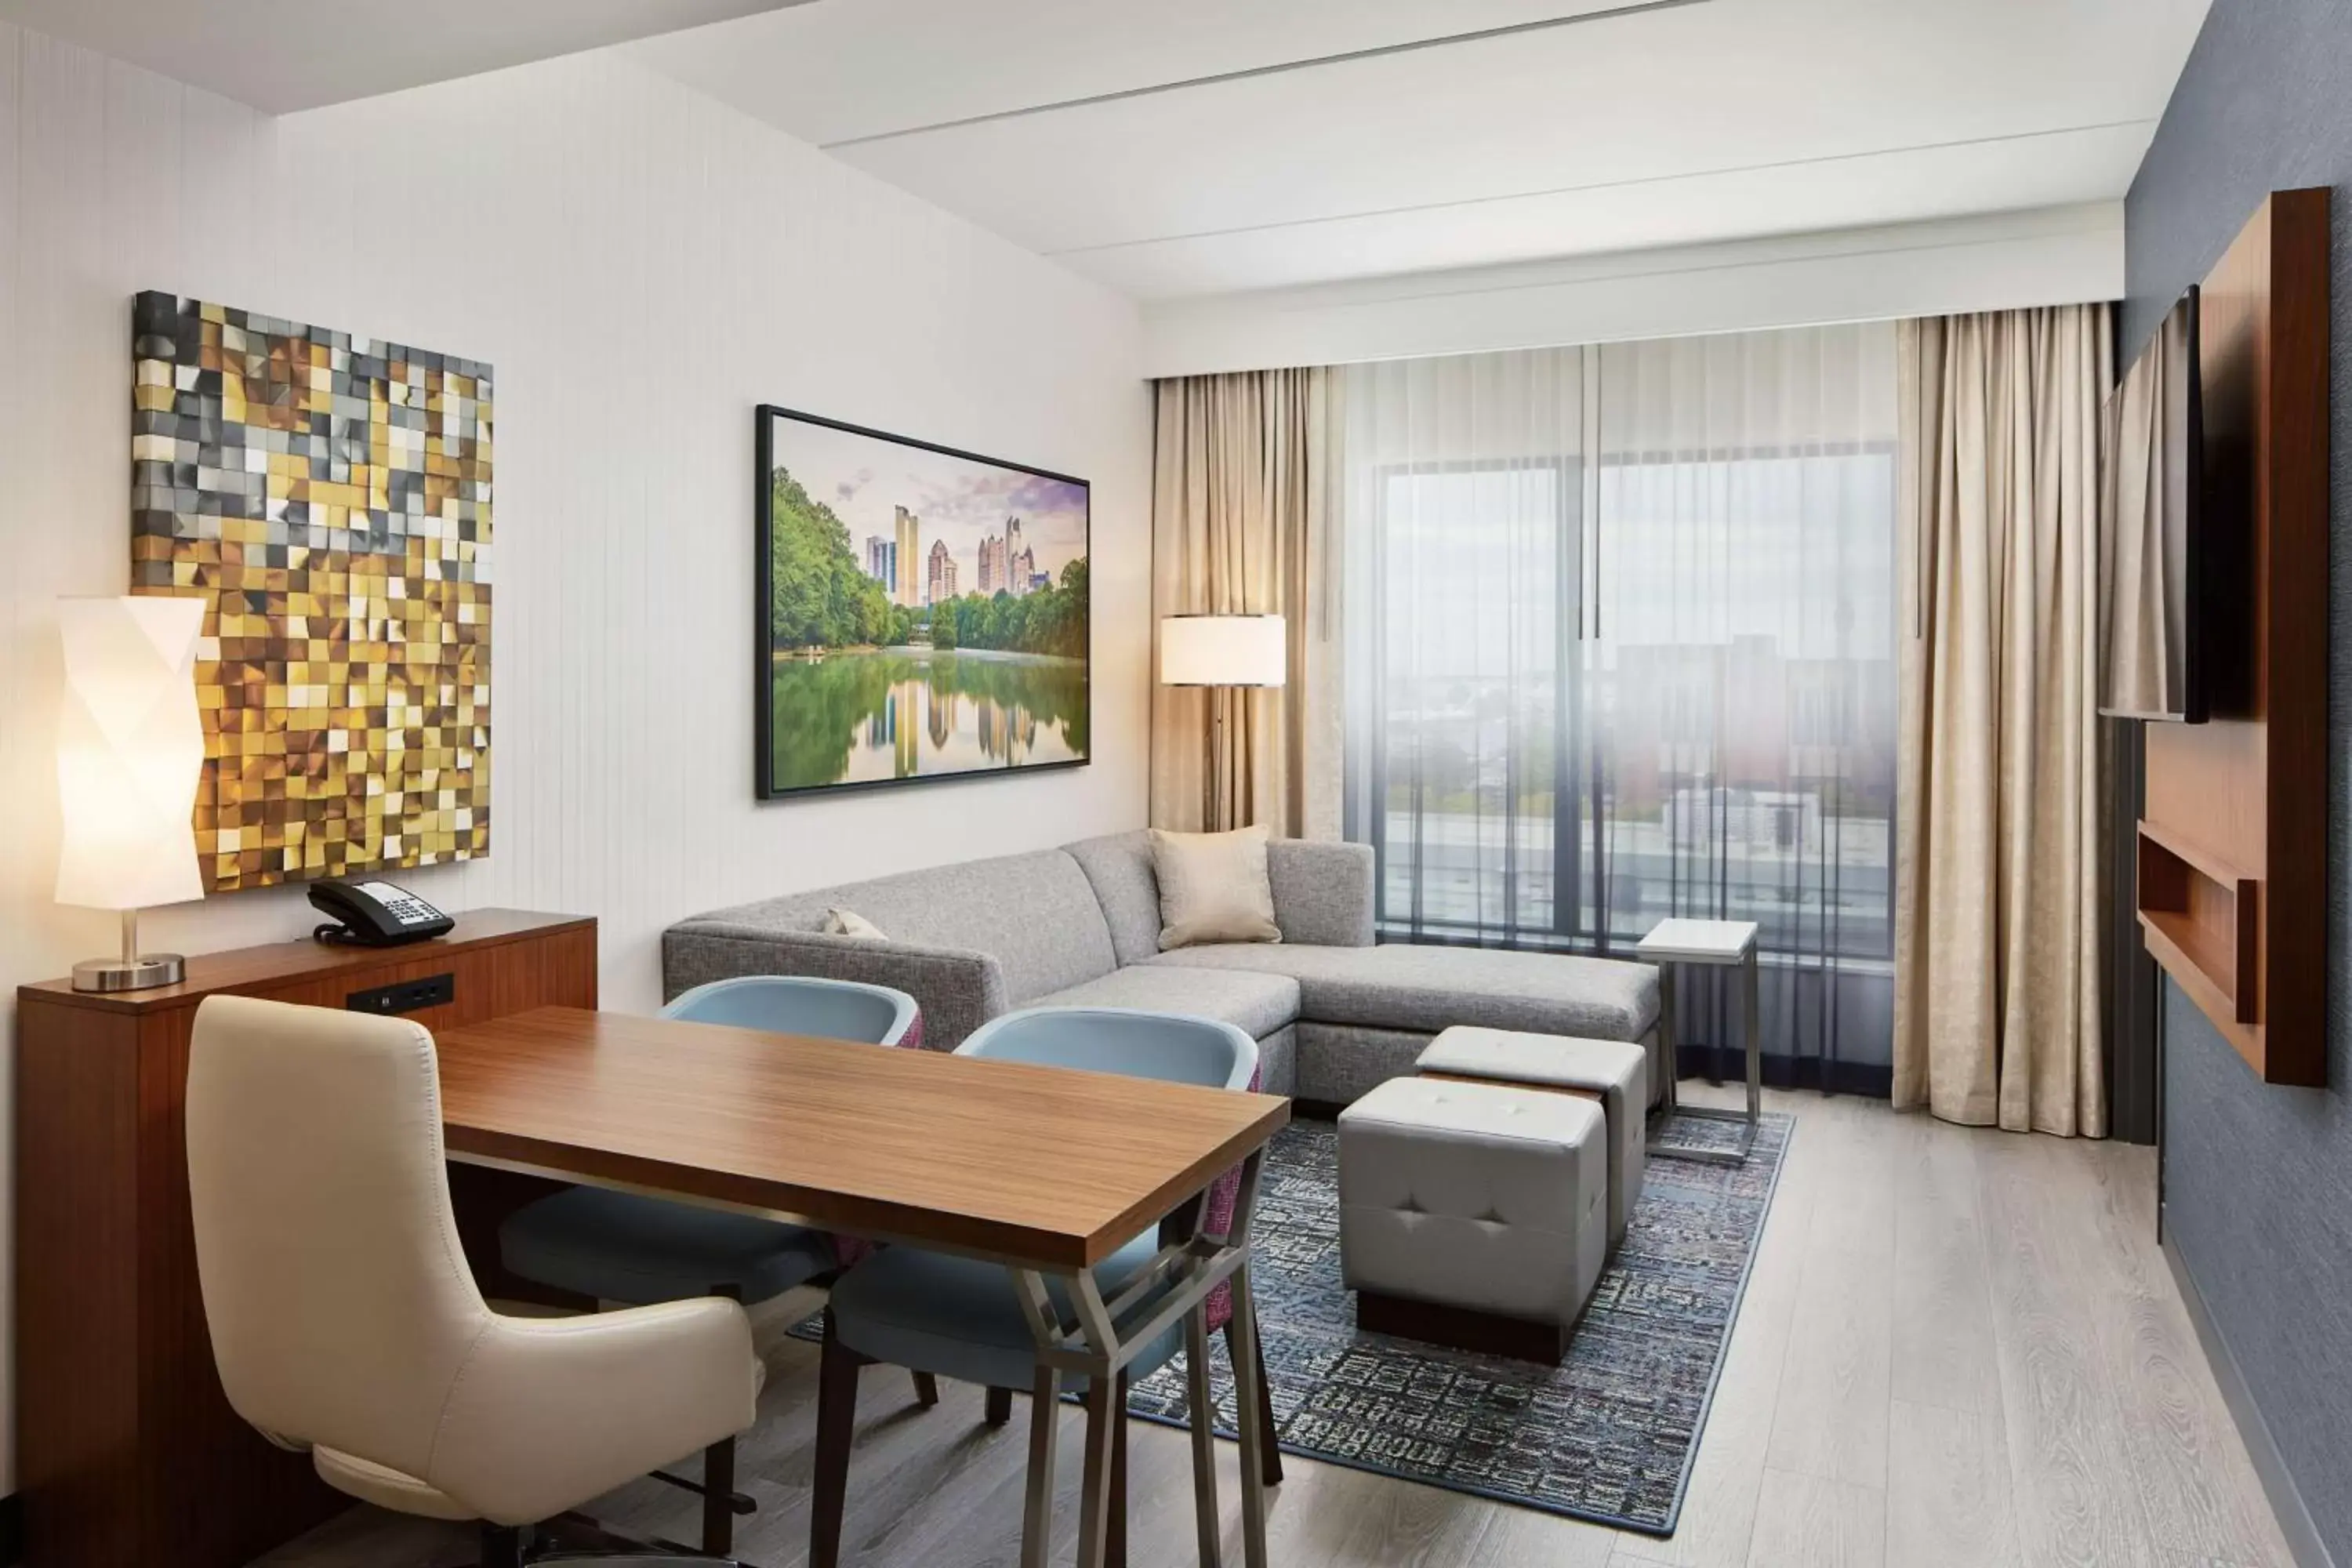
{"x": 130, "y": 749}
{"x": 1224, "y": 650}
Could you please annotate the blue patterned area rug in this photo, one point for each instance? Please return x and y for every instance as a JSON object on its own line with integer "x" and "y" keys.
{"x": 1608, "y": 1436}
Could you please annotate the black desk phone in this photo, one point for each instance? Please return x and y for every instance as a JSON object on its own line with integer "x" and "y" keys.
{"x": 375, "y": 914}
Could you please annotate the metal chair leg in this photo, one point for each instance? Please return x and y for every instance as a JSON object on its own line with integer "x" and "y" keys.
{"x": 836, "y": 1424}
{"x": 1037, "y": 1500}
{"x": 1269, "y": 1446}
{"x": 1202, "y": 1413}
{"x": 1114, "y": 1539}
{"x": 1251, "y": 1397}
{"x": 718, "y": 1498}
{"x": 1105, "y": 1416}
{"x": 741, "y": 1502}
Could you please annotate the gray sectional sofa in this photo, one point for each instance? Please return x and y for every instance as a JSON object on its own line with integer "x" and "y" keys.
{"x": 1333, "y": 1014}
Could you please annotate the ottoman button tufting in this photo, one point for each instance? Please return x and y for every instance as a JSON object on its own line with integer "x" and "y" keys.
{"x": 1473, "y": 1215}
{"x": 1612, "y": 1073}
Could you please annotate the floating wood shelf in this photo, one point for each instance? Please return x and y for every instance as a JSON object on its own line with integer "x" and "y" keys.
{"x": 2198, "y": 917}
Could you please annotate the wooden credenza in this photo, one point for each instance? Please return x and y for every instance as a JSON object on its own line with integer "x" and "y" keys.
{"x": 128, "y": 1450}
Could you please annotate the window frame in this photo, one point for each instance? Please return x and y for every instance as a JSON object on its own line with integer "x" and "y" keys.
{"x": 1581, "y": 849}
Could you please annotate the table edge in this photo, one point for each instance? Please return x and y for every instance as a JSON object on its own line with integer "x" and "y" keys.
{"x": 874, "y": 1219}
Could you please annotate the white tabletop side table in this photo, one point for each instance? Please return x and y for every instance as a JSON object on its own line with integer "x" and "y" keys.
{"x": 1725, "y": 945}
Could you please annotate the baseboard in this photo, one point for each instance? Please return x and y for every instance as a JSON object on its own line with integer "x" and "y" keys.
{"x": 2270, "y": 1465}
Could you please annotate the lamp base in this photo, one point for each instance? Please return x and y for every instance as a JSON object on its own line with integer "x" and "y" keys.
{"x": 130, "y": 974}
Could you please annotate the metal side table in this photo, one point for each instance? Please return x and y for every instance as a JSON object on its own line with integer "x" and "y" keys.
{"x": 1725, "y": 945}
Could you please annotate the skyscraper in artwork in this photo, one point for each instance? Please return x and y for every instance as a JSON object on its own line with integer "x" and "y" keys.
{"x": 909, "y": 587}
{"x": 940, "y": 580}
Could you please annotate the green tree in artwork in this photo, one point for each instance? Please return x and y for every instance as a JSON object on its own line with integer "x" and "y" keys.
{"x": 1052, "y": 620}
{"x": 817, "y": 597}
{"x": 817, "y": 707}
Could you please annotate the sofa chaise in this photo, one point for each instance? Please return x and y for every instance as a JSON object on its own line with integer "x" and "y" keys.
{"x": 1334, "y": 1014}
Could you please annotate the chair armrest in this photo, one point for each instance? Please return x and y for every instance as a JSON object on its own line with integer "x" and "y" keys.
{"x": 547, "y": 1413}
{"x": 1322, "y": 891}
{"x": 956, "y": 990}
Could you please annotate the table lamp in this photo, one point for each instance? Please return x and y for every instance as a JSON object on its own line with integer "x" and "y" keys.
{"x": 1221, "y": 651}
{"x": 130, "y": 749}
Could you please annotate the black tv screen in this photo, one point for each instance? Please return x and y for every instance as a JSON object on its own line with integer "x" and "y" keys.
{"x": 2151, "y": 532}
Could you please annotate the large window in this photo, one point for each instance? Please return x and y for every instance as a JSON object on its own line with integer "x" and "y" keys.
{"x": 1741, "y": 688}
{"x": 1586, "y": 695}
{"x": 1478, "y": 567}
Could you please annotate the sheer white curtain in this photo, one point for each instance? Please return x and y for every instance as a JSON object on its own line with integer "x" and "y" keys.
{"x": 1621, "y": 645}
{"x": 1462, "y": 499}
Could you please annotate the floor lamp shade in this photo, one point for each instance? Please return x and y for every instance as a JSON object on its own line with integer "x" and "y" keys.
{"x": 131, "y": 751}
{"x": 1224, "y": 650}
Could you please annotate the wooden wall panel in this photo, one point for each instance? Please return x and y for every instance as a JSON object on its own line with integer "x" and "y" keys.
{"x": 2247, "y": 792}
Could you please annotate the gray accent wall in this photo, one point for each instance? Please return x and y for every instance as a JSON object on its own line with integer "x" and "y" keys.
{"x": 2259, "y": 1180}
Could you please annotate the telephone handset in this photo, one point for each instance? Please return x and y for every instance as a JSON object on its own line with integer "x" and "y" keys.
{"x": 375, "y": 914}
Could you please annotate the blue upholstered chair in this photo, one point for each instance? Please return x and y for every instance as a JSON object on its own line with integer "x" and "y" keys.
{"x": 957, "y": 1317}
{"x": 627, "y": 1247}
{"x": 638, "y": 1250}
{"x": 804, "y": 1005}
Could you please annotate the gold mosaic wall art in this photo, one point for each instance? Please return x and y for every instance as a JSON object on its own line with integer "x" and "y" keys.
{"x": 328, "y": 497}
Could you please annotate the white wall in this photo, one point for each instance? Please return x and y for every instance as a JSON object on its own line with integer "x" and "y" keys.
{"x": 2051, "y": 257}
{"x": 642, "y": 265}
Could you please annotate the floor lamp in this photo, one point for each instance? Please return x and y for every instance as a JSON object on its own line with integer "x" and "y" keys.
{"x": 1221, "y": 651}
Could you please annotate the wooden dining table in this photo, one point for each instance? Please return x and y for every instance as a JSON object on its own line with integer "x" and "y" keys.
{"x": 1046, "y": 1170}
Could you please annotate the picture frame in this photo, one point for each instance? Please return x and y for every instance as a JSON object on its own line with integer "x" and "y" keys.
{"x": 920, "y": 612}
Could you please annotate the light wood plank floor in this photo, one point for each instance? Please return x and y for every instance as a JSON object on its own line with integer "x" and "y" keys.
{"x": 1960, "y": 1349}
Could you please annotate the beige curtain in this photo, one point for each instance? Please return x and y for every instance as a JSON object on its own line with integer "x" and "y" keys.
{"x": 1241, "y": 502}
{"x": 1998, "y": 806}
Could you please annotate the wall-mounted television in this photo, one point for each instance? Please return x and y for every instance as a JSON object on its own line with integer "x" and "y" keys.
{"x": 2155, "y": 622}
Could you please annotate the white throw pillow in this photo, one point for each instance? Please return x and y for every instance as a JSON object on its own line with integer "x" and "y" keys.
{"x": 849, "y": 922}
{"x": 1214, "y": 886}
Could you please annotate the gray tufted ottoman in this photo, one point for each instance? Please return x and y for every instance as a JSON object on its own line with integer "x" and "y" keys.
{"x": 1473, "y": 1215}
{"x": 1610, "y": 1071}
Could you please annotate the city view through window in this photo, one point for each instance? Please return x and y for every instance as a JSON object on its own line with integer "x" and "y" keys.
{"x": 1690, "y": 711}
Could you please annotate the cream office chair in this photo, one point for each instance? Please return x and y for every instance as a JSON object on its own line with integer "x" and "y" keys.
{"x": 344, "y": 1319}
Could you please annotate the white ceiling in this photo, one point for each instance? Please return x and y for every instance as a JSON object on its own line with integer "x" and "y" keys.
{"x": 285, "y": 55}
{"x": 1185, "y": 147}
{"x": 1180, "y": 148}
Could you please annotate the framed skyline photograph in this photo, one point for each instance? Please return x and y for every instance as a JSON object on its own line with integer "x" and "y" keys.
{"x": 922, "y": 612}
